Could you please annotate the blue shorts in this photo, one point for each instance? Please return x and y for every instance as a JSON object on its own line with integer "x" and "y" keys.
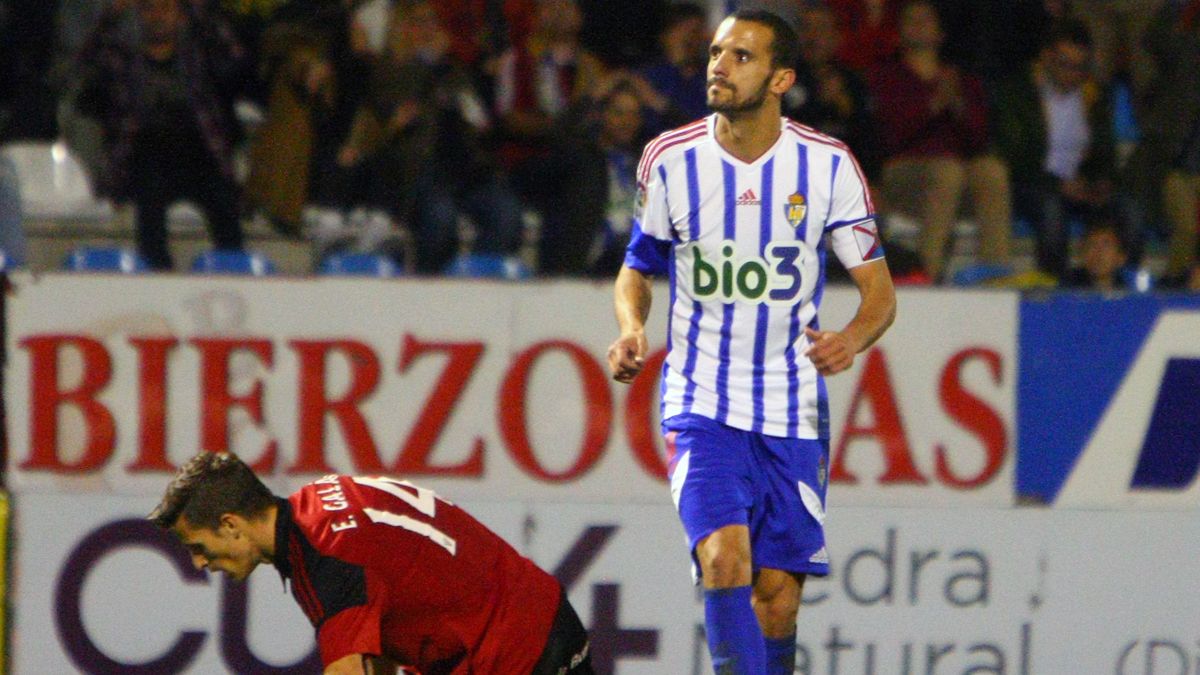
{"x": 775, "y": 486}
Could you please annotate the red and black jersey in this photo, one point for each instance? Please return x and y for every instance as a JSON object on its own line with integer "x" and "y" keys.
{"x": 383, "y": 567}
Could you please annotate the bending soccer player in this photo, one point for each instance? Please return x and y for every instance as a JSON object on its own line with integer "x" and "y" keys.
{"x": 387, "y": 572}
{"x": 735, "y": 208}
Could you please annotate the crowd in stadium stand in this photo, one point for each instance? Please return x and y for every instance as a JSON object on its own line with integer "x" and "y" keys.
{"x": 365, "y": 124}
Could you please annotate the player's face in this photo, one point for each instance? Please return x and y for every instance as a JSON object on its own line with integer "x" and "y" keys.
{"x": 622, "y": 119}
{"x": 1067, "y": 65}
{"x": 739, "y": 67}
{"x": 225, "y": 549}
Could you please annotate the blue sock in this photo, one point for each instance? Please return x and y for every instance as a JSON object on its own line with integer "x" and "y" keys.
{"x": 781, "y": 655}
{"x": 734, "y": 639}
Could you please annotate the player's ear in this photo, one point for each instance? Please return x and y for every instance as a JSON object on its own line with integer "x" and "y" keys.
{"x": 230, "y": 523}
{"x": 782, "y": 80}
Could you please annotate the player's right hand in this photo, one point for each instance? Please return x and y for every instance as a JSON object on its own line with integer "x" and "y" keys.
{"x": 627, "y": 355}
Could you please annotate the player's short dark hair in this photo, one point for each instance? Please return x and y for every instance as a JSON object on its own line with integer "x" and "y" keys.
{"x": 209, "y": 485}
{"x": 1071, "y": 31}
{"x": 785, "y": 45}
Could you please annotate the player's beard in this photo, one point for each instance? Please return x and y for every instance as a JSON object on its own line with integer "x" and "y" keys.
{"x": 734, "y": 107}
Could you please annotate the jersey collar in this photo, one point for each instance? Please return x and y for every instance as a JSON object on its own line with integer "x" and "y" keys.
{"x": 761, "y": 159}
{"x": 283, "y": 532}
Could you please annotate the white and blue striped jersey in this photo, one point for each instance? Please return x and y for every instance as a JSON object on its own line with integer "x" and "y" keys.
{"x": 744, "y": 246}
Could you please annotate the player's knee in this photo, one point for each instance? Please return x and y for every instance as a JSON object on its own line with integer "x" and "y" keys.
{"x": 776, "y": 613}
{"x": 723, "y": 563}
{"x": 776, "y": 599}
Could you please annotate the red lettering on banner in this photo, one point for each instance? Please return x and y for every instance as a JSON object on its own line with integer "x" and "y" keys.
{"x": 974, "y": 415}
{"x": 216, "y": 401}
{"x": 640, "y": 429}
{"x": 514, "y": 421}
{"x": 421, "y": 441}
{"x": 314, "y": 405}
{"x": 152, "y": 403}
{"x": 45, "y": 400}
{"x": 875, "y": 388}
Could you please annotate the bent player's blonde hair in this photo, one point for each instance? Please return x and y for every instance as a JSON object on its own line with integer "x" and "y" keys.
{"x": 209, "y": 485}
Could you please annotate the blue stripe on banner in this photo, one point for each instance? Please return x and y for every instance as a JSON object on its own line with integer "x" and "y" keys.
{"x": 689, "y": 365}
{"x": 729, "y": 178}
{"x": 764, "y": 314}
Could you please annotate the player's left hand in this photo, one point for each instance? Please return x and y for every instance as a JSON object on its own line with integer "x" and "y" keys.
{"x": 627, "y": 356}
{"x": 830, "y": 351}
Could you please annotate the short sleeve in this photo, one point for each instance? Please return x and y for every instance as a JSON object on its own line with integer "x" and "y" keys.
{"x": 356, "y": 629}
{"x": 651, "y": 239}
{"x": 852, "y": 229}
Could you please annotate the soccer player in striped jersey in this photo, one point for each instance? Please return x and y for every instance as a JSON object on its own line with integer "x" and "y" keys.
{"x": 735, "y": 209}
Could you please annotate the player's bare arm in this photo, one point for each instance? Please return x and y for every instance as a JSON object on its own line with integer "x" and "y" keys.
{"x": 632, "y": 296}
{"x": 361, "y": 664}
{"x": 833, "y": 351}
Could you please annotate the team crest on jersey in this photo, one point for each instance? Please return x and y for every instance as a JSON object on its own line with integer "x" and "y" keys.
{"x": 795, "y": 209}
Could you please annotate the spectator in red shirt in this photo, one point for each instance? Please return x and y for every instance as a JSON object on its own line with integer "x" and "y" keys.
{"x": 933, "y": 128}
{"x": 389, "y": 574}
{"x": 869, "y": 31}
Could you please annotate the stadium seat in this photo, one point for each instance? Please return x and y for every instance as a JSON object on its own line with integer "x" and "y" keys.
{"x": 359, "y": 264}
{"x": 104, "y": 259}
{"x": 1137, "y": 279}
{"x": 980, "y": 273}
{"x": 487, "y": 266}
{"x": 233, "y": 262}
{"x": 54, "y": 183}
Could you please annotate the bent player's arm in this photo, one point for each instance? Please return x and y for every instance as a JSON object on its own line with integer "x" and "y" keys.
{"x": 877, "y": 305}
{"x": 631, "y": 300}
{"x": 361, "y": 664}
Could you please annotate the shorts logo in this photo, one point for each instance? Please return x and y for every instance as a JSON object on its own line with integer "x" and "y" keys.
{"x": 812, "y": 502}
{"x": 795, "y": 209}
{"x": 821, "y": 556}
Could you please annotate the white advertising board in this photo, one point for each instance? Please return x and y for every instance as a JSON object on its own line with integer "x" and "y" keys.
{"x": 1017, "y": 592}
{"x": 491, "y": 389}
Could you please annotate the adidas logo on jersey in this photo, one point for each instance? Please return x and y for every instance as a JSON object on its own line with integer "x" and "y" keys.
{"x": 748, "y": 198}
